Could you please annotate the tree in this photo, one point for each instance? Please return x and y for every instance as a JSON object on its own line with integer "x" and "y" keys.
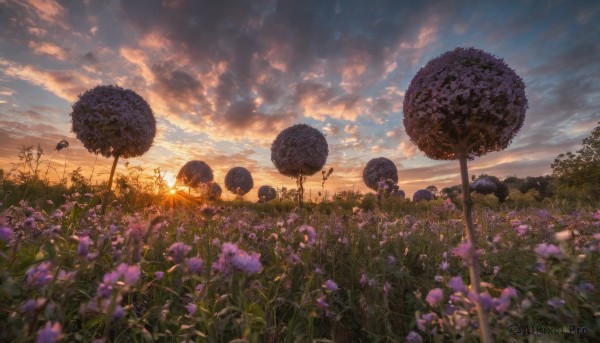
{"x": 581, "y": 170}
{"x": 461, "y": 105}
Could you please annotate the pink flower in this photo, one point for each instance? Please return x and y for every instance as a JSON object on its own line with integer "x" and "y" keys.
{"x": 191, "y": 308}
{"x": 177, "y": 251}
{"x": 194, "y": 265}
{"x": 434, "y": 296}
{"x": 466, "y": 252}
{"x": 322, "y": 303}
{"x": 387, "y": 287}
{"x": 159, "y": 275}
{"x": 522, "y": 230}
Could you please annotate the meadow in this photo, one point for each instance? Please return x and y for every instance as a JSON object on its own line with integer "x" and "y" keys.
{"x": 345, "y": 269}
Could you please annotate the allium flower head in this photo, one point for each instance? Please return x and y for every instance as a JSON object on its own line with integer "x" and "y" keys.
{"x": 214, "y": 191}
{"x": 62, "y": 144}
{"x": 299, "y": 150}
{"x": 266, "y": 193}
{"x": 423, "y": 194}
{"x": 113, "y": 121}
{"x": 5, "y": 234}
{"x": 465, "y": 97}
{"x": 194, "y": 173}
{"x": 379, "y": 169}
{"x": 239, "y": 181}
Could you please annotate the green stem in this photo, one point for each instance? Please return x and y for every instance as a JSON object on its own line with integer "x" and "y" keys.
{"x": 486, "y": 335}
{"x": 110, "y": 182}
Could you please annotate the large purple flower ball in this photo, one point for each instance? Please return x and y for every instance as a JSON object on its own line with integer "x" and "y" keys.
{"x": 423, "y": 195}
{"x": 299, "y": 150}
{"x": 214, "y": 191}
{"x": 239, "y": 181}
{"x": 464, "y": 101}
{"x": 379, "y": 169}
{"x": 194, "y": 173}
{"x": 113, "y": 121}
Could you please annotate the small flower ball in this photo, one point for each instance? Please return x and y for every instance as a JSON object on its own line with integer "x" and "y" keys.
{"x": 239, "y": 181}
{"x": 113, "y": 121}
{"x": 483, "y": 185}
{"x": 423, "y": 194}
{"x": 379, "y": 169}
{"x": 399, "y": 194}
{"x": 464, "y": 102}
{"x": 195, "y": 173}
{"x": 266, "y": 193}
{"x": 214, "y": 191}
{"x": 299, "y": 150}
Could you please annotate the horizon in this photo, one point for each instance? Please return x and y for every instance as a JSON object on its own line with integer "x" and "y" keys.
{"x": 223, "y": 79}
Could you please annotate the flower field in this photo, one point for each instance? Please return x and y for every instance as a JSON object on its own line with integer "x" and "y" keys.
{"x": 329, "y": 272}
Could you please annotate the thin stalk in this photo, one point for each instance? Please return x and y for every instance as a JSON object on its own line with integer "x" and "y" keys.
{"x": 110, "y": 182}
{"x": 65, "y": 167}
{"x": 93, "y": 167}
{"x": 486, "y": 335}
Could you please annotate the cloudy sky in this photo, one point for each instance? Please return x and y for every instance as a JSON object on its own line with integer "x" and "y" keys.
{"x": 225, "y": 77}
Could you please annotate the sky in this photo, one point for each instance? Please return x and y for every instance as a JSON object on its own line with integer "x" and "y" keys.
{"x": 225, "y": 77}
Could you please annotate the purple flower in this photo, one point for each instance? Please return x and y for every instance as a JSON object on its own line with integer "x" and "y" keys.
{"x": 434, "y": 296}
{"x": 233, "y": 258}
{"x": 522, "y": 230}
{"x": 322, "y": 303}
{"x": 194, "y": 265}
{"x": 28, "y": 222}
{"x": 413, "y": 337}
{"x": 391, "y": 260}
{"x": 556, "y": 302}
{"x": 159, "y": 275}
{"x": 5, "y": 234}
{"x": 330, "y": 285}
{"x": 131, "y": 274}
{"x": 49, "y": 333}
{"x": 466, "y": 252}
{"x": 199, "y": 291}
{"x": 177, "y": 251}
{"x": 40, "y": 275}
{"x": 545, "y": 251}
{"x": 29, "y": 305}
{"x": 363, "y": 279}
{"x": 191, "y": 308}
{"x": 596, "y": 215}
{"x": 457, "y": 285}
{"x": 387, "y": 287}
{"x": 310, "y": 235}
{"x": 444, "y": 265}
{"x": 84, "y": 245}
{"x": 427, "y": 319}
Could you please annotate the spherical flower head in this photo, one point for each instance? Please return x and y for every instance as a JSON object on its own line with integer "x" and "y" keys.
{"x": 177, "y": 251}
{"x": 239, "y": 181}
{"x": 330, "y": 285}
{"x": 423, "y": 195}
{"x": 266, "y": 193}
{"x": 466, "y": 99}
{"x": 214, "y": 191}
{"x": 483, "y": 185}
{"x": 434, "y": 297}
{"x": 50, "y": 333}
{"x": 113, "y": 121}
{"x": 194, "y": 173}
{"x": 377, "y": 170}
{"x": 62, "y": 144}
{"x": 299, "y": 150}
{"x": 414, "y": 337}
{"x": 457, "y": 285}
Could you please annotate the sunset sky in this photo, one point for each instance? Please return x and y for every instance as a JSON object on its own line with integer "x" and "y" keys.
{"x": 225, "y": 77}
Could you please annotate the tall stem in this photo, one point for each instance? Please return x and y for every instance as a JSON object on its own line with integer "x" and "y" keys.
{"x": 486, "y": 335}
{"x": 301, "y": 191}
{"x": 110, "y": 181}
{"x": 94, "y": 167}
{"x": 65, "y": 167}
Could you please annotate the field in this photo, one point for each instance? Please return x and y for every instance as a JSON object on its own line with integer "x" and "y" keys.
{"x": 338, "y": 270}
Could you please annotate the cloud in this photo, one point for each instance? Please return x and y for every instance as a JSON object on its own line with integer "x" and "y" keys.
{"x": 46, "y": 48}
{"x": 66, "y": 84}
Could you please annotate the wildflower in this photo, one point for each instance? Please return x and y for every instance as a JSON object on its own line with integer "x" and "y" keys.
{"x": 49, "y": 333}
{"x": 586, "y": 287}
{"x": 522, "y": 230}
{"x": 318, "y": 271}
{"x": 413, "y": 337}
{"x": 83, "y": 247}
{"x": 363, "y": 279}
{"x": 159, "y": 275}
{"x": 28, "y": 222}
{"x": 131, "y": 274}
{"x": 330, "y": 285}
{"x": 596, "y": 215}
{"x": 293, "y": 259}
{"x": 292, "y": 218}
{"x": 556, "y": 302}
{"x": 322, "y": 303}
{"x": 427, "y": 319}
{"x": 391, "y": 260}
{"x": 545, "y": 251}
{"x": 456, "y": 283}
{"x": 444, "y": 265}
{"x": 438, "y": 278}
{"x": 233, "y": 258}
{"x": 66, "y": 277}
{"x": 40, "y": 275}
{"x": 199, "y": 290}
{"x": 387, "y": 287}
{"x": 5, "y": 234}
{"x": 58, "y": 214}
{"x": 30, "y": 305}
{"x": 194, "y": 265}
{"x": 309, "y": 234}
{"x": 177, "y": 251}
{"x": 191, "y": 308}
{"x": 434, "y": 296}
{"x": 466, "y": 252}
{"x": 496, "y": 270}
